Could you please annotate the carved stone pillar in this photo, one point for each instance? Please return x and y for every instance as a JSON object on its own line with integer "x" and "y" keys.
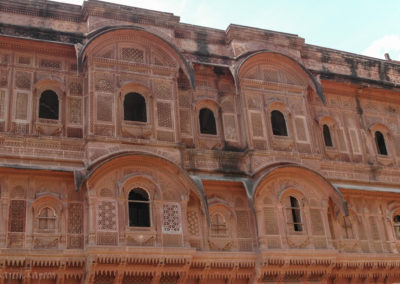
{"x": 185, "y": 235}
{"x": 92, "y": 221}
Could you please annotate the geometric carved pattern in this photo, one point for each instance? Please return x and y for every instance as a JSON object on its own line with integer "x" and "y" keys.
{"x": 164, "y": 114}
{"x": 23, "y": 80}
{"x": 171, "y": 218}
{"x": 107, "y": 216}
{"x": 17, "y": 216}
{"x": 270, "y": 224}
{"x": 257, "y": 125}
{"x": 75, "y": 88}
{"x": 193, "y": 223}
{"x": 24, "y": 60}
{"x": 75, "y": 111}
{"x": 104, "y": 108}
{"x": 21, "y": 106}
{"x": 3, "y": 78}
{"x": 184, "y": 99}
{"x": 162, "y": 89}
{"x": 254, "y": 102}
{"x": 166, "y": 279}
{"x": 104, "y": 83}
{"x": 185, "y": 120}
{"x": 316, "y": 222}
{"x": 104, "y": 279}
{"x": 75, "y": 242}
{"x": 15, "y": 240}
{"x": 243, "y": 227}
{"x": 45, "y": 243}
{"x": 136, "y": 280}
{"x": 75, "y": 218}
{"x": 107, "y": 238}
{"x": 133, "y": 54}
{"x": 54, "y": 64}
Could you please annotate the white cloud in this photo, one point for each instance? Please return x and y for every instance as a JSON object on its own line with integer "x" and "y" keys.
{"x": 388, "y": 44}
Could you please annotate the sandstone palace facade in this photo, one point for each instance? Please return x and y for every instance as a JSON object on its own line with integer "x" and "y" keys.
{"x": 138, "y": 149}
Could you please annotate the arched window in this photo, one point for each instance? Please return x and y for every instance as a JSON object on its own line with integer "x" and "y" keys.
{"x": 47, "y": 219}
{"x": 380, "y": 143}
{"x": 278, "y": 123}
{"x": 135, "y": 107}
{"x": 207, "y": 122}
{"x": 293, "y": 215}
{"x": 218, "y": 225}
{"x": 327, "y": 136}
{"x": 48, "y": 105}
{"x": 396, "y": 226}
{"x": 139, "y": 208}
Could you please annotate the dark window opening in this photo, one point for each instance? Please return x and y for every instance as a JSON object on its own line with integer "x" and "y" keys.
{"x": 295, "y": 208}
{"x": 380, "y": 143}
{"x": 278, "y": 123}
{"x": 135, "y": 107}
{"x": 139, "y": 208}
{"x": 207, "y": 122}
{"x": 327, "y": 136}
{"x": 48, "y": 105}
{"x": 396, "y": 223}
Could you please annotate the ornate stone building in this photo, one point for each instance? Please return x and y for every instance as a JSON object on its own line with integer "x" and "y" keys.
{"x": 138, "y": 149}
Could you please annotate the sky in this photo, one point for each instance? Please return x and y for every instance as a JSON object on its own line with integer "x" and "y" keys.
{"x": 368, "y": 27}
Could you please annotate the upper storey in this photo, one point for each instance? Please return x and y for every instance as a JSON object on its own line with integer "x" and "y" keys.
{"x": 73, "y": 24}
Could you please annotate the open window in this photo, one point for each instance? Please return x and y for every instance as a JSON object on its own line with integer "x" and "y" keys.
{"x": 135, "y": 107}
{"x": 293, "y": 215}
{"x": 327, "y": 136}
{"x": 278, "y": 123}
{"x": 49, "y": 105}
{"x": 207, "y": 122}
{"x": 380, "y": 143}
{"x": 139, "y": 208}
{"x": 396, "y": 226}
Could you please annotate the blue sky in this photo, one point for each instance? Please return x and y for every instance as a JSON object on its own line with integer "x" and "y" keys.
{"x": 368, "y": 27}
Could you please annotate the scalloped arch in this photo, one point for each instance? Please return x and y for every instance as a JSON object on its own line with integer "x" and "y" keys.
{"x": 294, "y": 171}
{"x": 278, "y": 60}
{"x": 97, "y": 37}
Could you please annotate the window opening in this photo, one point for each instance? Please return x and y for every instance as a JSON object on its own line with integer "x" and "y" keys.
{"x": 47, "y": 219}
{"x": 396, "y": 225}
{"x": 135, "y": 107}
{"x": 294, "y": 212}
{"x": 207, "y": 122}
{"x": 380, "y": 143}
{"x": 278, "y": 123}
{"x": 48, "y": 105}
{"x": 327, "y": 136}
{"x": 139, "y": 208}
